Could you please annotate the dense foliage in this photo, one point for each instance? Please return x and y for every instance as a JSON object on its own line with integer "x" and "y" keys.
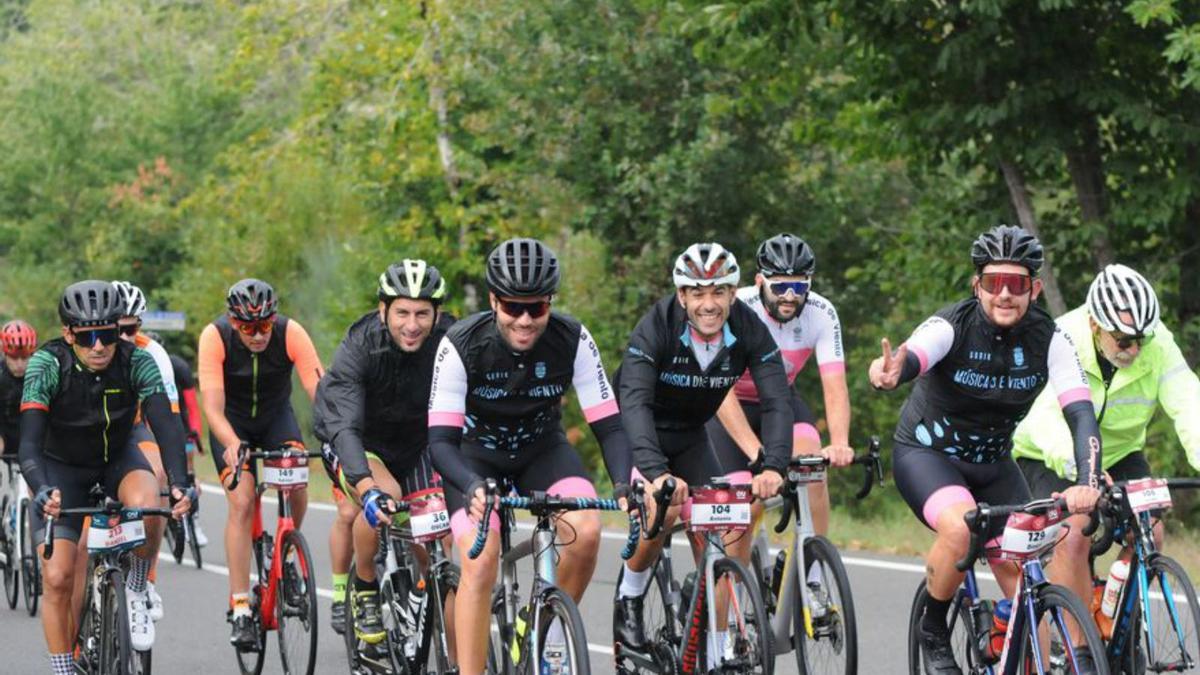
{"x": 185, "y": 144}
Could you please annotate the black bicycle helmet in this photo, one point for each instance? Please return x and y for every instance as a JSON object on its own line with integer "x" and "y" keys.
{"x": 522, "y": 267}
{"x": 412, "y": 278}
{"x": 1008, "y": 244}
{"x": 251, "y": 300}
{"x": 90, "y": 303}
{"x": 786, "y": 254}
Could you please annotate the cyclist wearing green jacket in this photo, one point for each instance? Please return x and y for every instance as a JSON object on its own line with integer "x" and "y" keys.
{"x": 1132, "y": 365}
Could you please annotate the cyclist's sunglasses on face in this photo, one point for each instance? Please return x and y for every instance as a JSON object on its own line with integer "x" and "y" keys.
{"x": 88, "y": 337}
{"x": 994, "y": 282}
{"x": 252, "y": 328}
{"x": 1126, "y": 341}
{"x": 515, "y": 309}
{"x": 129, "y": 328}
{"x": 780, "y": 288}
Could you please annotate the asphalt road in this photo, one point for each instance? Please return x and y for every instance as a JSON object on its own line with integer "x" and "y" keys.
{"x": 194, "y": 636}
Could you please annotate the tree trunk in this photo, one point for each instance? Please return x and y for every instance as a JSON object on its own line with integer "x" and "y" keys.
{"x": 1018, "y": 191}
{"x": 1087, "y": 175}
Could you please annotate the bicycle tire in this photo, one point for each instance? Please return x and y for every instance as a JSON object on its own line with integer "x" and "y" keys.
{"x": 553, "y": 604}
{"x": 660, "y": 618}
{"x": 12, "y": 568}
{"x": 116, "y": 650}
{"x": 961, "y": 626}
{"x": 296, "y": 607}
{"x": 193, "y": 543}
{"x": 445, "y": 579}
{"x": 31, "y": 564}
{"x": 175, "y": 539}
{"x": 751, "y": 640}
{"x": 1158, "y": 571}
{"x": 1048, "y": 599}
{"x": 833, "y": 648}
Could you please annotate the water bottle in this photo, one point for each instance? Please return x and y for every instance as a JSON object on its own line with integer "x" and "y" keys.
{"x": 982, "y": 610}
{"x": 1000, "y": 617}
{"x": 777, "y": 574}
{"x": 1112, "y": 590}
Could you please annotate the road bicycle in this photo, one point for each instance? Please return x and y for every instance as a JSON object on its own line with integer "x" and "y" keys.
{"x": 1036, "y": 639}
{"x": 284, "y": 596}
{"x": 519, "y": 631}
{"x": 413, "y": 600}
{"x": 18, "y": 550}
{"x": 815, "y": 619}
{"x": 1156, "y": 624}
{"x": 102, "y": 645}
{"x": 683, "y": 623}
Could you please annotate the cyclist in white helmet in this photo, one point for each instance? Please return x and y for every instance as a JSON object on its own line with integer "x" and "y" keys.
{"x": 1133, "y": 366}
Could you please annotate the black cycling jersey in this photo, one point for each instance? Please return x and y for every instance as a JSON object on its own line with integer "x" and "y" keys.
{"x": 184, "y": 380}
{"x": 977, "y": 381}
{"x": 511, "y": 402}
{"x": 10, "y": 409}
{"x": 375, "y": 397}
{"x": 662, "y": 386}
{"x": 83, "y": 418}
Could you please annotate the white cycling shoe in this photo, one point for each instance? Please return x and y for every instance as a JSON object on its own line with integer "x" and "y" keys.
{"x": 141, "y": 626}
{"x": 201, "y": 538}
{"x": 156, "y": 603}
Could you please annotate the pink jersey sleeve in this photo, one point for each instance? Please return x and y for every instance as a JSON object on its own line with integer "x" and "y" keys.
{"x": 591, "y": 383}
{"x": 931, "y": 341}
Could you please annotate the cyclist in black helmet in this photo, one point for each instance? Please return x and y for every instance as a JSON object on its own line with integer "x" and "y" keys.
{"x": 82, "y": 392}
{"x": 246, "y": 358}
{"x": 371, "y": 410}
{"x": 495, "y": 411}
{"x": 978, "y": 365}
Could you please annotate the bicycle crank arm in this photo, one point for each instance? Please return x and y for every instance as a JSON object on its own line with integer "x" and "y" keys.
{"x": 637, "y": 658}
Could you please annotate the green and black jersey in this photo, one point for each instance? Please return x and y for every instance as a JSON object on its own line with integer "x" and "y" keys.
{"x": 88, "y": 414}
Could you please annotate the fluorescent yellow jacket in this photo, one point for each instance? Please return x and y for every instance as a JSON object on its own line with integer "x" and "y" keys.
{"x": 1159, "y": 376}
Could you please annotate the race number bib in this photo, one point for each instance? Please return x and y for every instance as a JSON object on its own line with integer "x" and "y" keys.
{"x": 1148, "y": 494}
{"x": 721, "y": 508}
{"x": 803, "y": 475}
{"x": 285, "y": 473}
{"x": 108, "y": 533}
{"x": 1026, "y": 536}
{"x": 428, "y": 516}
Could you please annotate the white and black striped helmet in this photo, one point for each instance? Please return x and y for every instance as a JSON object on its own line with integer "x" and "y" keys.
{"x": 707, "y": 264}
{"x": 1118, "y": 289}
{"x": 132, "y": 296}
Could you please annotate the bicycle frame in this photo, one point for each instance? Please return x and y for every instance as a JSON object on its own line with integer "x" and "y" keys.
{"x": 18, "y": 491}
{"x": 283, "y": 525}
{"x": 1134, "y": 599}
{"x": 544, "y": 574}
{"x": 394, "y": 558}
{"x": 794, "y": 562}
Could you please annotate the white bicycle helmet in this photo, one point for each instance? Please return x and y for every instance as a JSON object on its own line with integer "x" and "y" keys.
{"x": 132, "y": 298}
{"x": 708, "y": 264}
{"x": 1119, "y": 289}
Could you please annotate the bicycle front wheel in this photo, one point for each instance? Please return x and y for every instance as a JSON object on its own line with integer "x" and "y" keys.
{"x": 296, "y": 606}
{"x": 826, "y": 634}
{"x": 961, "y": 626}
{"x": 436, "y": 653}
{"x": 560, "y": 634}
{"x": 1054, "y": 605}
{"x": 116, "y": 651}
{"x": 747, "y": 641}
{"x": 31, "y": 570}
{"x": 1172, "y": 618}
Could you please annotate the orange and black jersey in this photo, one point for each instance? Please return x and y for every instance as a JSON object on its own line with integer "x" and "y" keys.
{"x": 256, "y": 385}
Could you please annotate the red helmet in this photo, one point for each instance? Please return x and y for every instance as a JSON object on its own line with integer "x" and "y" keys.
{"x": 20, "y": 339}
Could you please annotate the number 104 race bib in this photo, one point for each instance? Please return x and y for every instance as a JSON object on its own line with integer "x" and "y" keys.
{"x": 721, "y": 508}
